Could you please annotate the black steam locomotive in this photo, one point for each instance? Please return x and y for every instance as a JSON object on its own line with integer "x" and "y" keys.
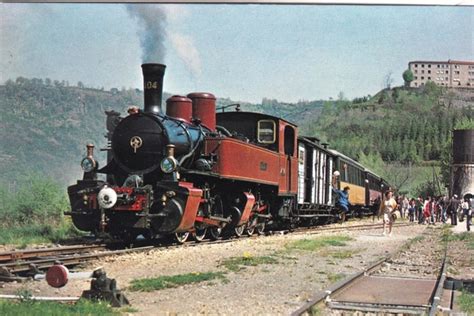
{"x": 193, "y": 171}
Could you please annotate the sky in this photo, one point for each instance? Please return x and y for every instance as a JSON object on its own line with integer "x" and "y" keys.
{"x": 242, "y": 52}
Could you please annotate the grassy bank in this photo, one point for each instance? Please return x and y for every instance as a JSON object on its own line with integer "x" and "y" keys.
{"x": 24, "y": 235}
{"x": 29, "y": 307}
{"x": 32, "y": 212}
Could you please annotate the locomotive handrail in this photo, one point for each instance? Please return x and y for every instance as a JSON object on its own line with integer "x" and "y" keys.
{"x": 191, "y": 152}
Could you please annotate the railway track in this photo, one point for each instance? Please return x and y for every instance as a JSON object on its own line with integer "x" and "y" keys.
{"x": 378, "y": 289}
{"x": 29, "y": 262}
{"x": 17, "y": 255}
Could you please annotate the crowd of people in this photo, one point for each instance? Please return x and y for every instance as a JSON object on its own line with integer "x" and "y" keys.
{"x": 430, "y": 210}
{"x": 425, "y": 211}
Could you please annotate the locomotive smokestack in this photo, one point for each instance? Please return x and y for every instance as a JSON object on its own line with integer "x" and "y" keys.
{"x": 153, "y": 87}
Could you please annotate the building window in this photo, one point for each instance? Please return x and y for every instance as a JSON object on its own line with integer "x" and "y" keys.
{"x": 429, "y": 71}
{"x": 416, "y": 71}
{"x": 429, "y": 78}
{"x": 416, "y": 84}
{"x": 422, "y": 78}
{"x": 423, "y": 66}
{"x": 416, "y": 65}
{"x": 422, "y": 71}
{"x": 429, "y": 66}
{"x": 438, "y": 66}
{"x": 456, "y": 72}
{"x": 416, "y": 78}
{"x": 446, "y": 78}
{"x": 447, "y": 71}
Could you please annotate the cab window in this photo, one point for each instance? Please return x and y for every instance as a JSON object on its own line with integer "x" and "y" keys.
{"x": 266, "y": 132}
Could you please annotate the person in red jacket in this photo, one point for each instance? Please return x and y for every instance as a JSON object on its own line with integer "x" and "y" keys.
{"x": 427, "y": 210}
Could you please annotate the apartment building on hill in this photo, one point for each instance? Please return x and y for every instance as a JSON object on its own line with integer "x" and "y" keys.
{"x": 451, "y": 73}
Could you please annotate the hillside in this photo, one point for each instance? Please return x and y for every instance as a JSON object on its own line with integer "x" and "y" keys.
{"x": 402, "y": 134}
{"x": 47, "y": 124}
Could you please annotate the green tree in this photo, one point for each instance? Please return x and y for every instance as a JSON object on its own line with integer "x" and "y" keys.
{"x": 407, "y": 77}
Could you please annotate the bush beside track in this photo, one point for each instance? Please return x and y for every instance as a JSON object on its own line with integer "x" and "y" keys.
{"x": 32, "y": 212}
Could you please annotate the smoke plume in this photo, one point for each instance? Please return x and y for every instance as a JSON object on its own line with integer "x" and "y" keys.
{"x": 187, "y": 52}
{"x": 152, "y": 22}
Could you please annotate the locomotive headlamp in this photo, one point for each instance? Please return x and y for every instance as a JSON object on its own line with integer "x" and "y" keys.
{"x": 88, "y": 164}
{"x": 169, "y": 163}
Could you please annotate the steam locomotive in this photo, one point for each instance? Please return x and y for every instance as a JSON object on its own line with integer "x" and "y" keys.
{"x": 195, "y": 172}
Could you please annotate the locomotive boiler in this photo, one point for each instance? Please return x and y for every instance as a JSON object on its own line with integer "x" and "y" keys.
{"x": 194, "y": 172}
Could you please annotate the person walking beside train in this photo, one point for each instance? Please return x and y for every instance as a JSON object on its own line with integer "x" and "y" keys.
{"x": 469, "y": 214}
{"x": 443, "y": 203}
{"x": 464, "y": 209}
{"x": 342, "y": 201}
{"x": 427, "y": 210}
{"x": 405, "y": 205}
{"x": 419, "y": 210}
{"x": 376, "y": 207}
{"x": 387, "y": 208}
{"x": 453, "y": 209}
{"x": 411, "y": 210}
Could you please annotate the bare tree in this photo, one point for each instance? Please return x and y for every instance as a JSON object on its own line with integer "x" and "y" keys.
{"x": 388, "y": 81}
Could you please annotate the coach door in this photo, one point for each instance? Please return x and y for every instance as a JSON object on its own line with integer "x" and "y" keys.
{"x": 301, "y": 173}
{"x": 329, "y": 170}
{"x": 317, "y": 186}
{"x": 322, "y": 177}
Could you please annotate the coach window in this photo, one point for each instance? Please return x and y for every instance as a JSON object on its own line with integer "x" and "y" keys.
{"x": 266, "y": 132}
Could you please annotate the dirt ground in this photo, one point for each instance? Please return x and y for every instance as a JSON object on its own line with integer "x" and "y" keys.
{"x": 277, "y": 288}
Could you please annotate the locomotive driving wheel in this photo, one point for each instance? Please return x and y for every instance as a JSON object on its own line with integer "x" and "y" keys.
{"x": 199, "y": 234}
{"x": 239, "y": 230}
{"x": 250, "y": 229}
{"x": 181, "y": 237}
{"x": 215, "y": 232}
{"x": 260, "y": 227}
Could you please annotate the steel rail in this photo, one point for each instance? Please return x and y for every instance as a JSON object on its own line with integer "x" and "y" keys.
{"x": 316, "y": 230}
{"x": 308, "y": 231}
{"x": 323, "y": 295}
{"x": 35, "y": 253}
{"x": 436, "y": 298}
{"x": 17, "y": 267}
{"x": 320, "y": 296}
